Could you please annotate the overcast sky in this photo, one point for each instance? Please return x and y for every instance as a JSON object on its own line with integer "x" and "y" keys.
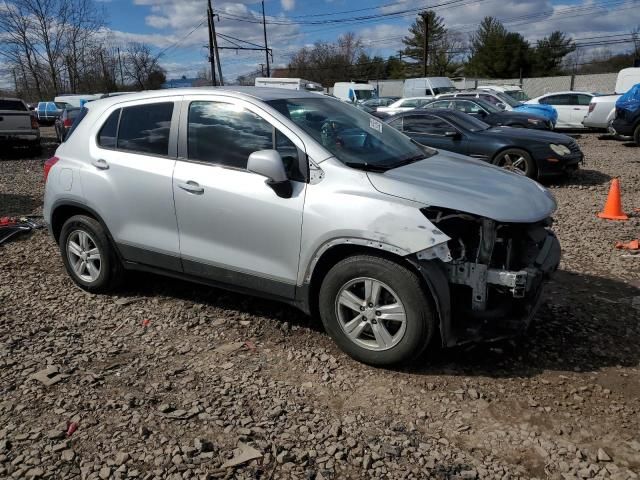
{"x": 178, "y": 28}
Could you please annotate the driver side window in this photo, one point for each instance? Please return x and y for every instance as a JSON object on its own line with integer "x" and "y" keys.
{"x": 226, "y": 134}
{"x": 425, "y": 124}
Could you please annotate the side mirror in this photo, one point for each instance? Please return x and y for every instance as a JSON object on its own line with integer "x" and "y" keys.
{"x": 268, "y": 163}
{"x": 452, "y": 134}
{"x": 501, "y": 106}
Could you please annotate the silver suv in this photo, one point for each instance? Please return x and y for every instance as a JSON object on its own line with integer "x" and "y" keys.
{"x": 305, "y": 199}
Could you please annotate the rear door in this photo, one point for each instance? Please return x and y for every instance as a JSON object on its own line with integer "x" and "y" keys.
{"x": 128, "y": 179}
{"x": 580, "y": 109}
{"x": 563, "y": 104}
{"x": 234, "y": 229}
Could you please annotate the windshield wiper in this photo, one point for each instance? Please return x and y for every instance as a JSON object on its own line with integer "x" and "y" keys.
{"x": 366, "y": 167}
{"x": 408, "y": 161}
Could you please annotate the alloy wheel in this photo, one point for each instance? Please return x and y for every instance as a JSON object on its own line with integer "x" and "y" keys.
{"x": 371, "y": 314}
{"x": 513, "y": 162}
{"x": 84, "y": 255}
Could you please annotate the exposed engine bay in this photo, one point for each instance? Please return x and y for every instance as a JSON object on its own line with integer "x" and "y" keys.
{"x": 495, "y": 271}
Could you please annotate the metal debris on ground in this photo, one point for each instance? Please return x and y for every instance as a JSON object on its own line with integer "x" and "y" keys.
{"x": 243, "y": 454}
{"x": 11, "y": 226}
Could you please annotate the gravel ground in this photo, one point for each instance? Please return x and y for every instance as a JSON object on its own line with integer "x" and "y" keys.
{"x": 174, "y": 380}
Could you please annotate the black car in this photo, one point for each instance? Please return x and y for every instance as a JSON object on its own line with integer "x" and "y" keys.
{"x": 535, "y": 153}
{"x": 489, "y": 113}
{"x": 64, "y": 122}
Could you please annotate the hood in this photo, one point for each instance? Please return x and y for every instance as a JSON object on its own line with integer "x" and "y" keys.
{"x": 449, "y": 180}
{"x": 528, "y": 134}
{"x": 540, "y": 109}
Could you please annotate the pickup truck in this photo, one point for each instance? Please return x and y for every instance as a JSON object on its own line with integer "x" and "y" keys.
{"x": 18, "y": 125}
{"x": 602, "y": 108}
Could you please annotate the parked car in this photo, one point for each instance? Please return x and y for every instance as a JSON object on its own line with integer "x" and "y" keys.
{"x": 505, "y": 102}
{"x": 489, "y": 113}
{"x": 48, "y": 111}
{"x": 602, "y": 109}
{"x": 514, "y": 91}
{"x": 627, "y": 121}
{"x": 572, "y": 107}
{"x": 374, "y": 103}
{"x": 404, "y": 105}
{"x": 18, "y": 125}
{"x": 305, "y": 199}
{"x": 65, "y": 121}
{"x": 534, "y": 153}
{"x": 427, "y": 86}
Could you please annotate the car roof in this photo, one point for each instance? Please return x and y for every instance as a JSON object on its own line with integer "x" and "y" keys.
{"x": 261, "y": 93}
{"x": 566, "y": 92}
{"x": 443, "y": 112}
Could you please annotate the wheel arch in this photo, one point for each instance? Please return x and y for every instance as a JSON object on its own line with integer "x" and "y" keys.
{"x": 432, "y": 280}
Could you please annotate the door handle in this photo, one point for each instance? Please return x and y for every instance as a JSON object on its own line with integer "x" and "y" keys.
{"x": 100, "y": 164}
{"x": 192, "y": 187}
{"x": 577, "y": 109}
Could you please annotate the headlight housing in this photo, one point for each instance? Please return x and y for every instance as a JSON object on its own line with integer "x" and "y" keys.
{"x": 559, "y": 149}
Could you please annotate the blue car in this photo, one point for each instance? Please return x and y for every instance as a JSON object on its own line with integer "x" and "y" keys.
{"x": 505, "y": 102}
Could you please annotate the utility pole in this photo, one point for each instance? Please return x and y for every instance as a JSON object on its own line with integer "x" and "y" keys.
{"x": 425, "y": 45}
{"x": 261, "y": 69}
{"x": 120, "y": 63}
{"x": 400, "y": 55}
{"x": 266, "y": 47}
{"x": 215, "y": 44}
{"x": 211, "y": 57}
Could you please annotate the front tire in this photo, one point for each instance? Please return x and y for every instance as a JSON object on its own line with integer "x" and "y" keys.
{"x": 376, "y": 310}
{"x": 88, "y": 256}
{"x": 516, "y": 160}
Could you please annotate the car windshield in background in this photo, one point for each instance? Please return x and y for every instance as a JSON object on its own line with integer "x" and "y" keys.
{"x": 439, "y": 90}
{"x": 489, "y": 107}
{"x": 507, "y": 99}
{"x": 12, "y": 105}
{"x": 364, "y": 94}
{"x": 468, "y": 122}
{"x": 518, "y": 95}
{"x": 354, "y": 137}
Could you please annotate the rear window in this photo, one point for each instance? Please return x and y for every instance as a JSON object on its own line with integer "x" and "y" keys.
{"x": 13, "y": 105}
{"x": 78, "y": 115}
{"x": 145, "y": 128}
{"x": 109, "y": 131}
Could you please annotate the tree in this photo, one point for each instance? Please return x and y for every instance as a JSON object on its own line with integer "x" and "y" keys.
{"x": 395, "y": 68}
{"x": 550, "y": 54}
{"x": 497, "y": 53}
{"x": 142, "y": 67}
{"x": 444, "y": 46}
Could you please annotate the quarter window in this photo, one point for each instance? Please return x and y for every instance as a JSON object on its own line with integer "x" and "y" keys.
{"x": 145, "y": 128}
{"x": 109, "y": 131}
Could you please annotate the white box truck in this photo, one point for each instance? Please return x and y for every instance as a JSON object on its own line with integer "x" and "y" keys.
{"x": 354, "y": 92}
{"x": 427, "y": 86}
{"x": 289, "y": 84}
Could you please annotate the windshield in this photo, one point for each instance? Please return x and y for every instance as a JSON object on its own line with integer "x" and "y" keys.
{"x": 507, "y": 99}
{"x": 364, "y": 94}
{"x": 354, "y": 137}
{"x": 439, "y": 90}
{"x": 518, "y": 95}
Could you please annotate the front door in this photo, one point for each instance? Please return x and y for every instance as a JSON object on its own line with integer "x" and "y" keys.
{"x": 433, "y": 131}
{"x": 234, "y": 229}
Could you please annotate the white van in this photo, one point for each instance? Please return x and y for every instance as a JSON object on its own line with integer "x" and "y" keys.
{"x": 354, "y": 92}
{"x": 289, "y": 84}
{"x": 427, "y": 86}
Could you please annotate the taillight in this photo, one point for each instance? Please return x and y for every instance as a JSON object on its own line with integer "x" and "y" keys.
{"x": 68, "y": 122}
{"x": 34, "y": 122}
{"x": 592, "y": 106}
{"x": 47, "y": 166}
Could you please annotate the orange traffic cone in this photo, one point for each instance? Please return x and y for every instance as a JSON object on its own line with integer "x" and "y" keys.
{"x": 613, "y": 207}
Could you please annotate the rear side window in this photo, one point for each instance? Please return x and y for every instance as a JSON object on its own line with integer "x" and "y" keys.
{"x": 12, "y": 105}
{"x": 145, "y": 128}
{"x": 108, "y": 132}
{"x": 78, "y": 116}
{"x": 425, "y": 124}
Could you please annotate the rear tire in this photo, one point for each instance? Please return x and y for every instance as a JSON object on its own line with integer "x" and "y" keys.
{"x": 383, "y": 307}
{"x": 515, "y": 159}
{"x": 88, "y": 256}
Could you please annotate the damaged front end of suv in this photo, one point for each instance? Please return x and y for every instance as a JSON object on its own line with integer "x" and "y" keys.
{"x": 488, "y": 277}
